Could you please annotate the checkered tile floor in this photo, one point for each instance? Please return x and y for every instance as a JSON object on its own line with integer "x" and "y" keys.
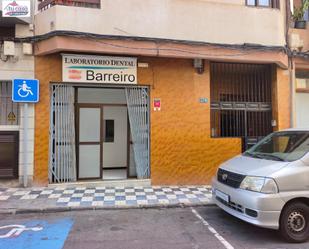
{"x": 110, "y": 196}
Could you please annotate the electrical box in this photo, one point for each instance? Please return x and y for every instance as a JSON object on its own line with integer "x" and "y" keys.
{"x": 9, "y": 48}
{"x": 27, "y": 48}
{"x": 143, "y": 64}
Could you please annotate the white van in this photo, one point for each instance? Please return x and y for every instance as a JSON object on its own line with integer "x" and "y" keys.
{"x": 268, "y": 185}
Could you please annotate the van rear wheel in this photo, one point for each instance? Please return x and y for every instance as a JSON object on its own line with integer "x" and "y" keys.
{"x": 294, "y": 222}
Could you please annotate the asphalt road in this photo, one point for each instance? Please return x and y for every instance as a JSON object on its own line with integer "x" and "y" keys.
{"x": 201, "y": 227}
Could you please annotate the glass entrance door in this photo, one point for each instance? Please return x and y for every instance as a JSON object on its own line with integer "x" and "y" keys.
{"x": 90, "y": 142}
{"x": 115, "y": 142}
{"x": 102, "y": 142}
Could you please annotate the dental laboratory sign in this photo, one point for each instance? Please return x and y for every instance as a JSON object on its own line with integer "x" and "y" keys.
{"x": 99, "y": 69}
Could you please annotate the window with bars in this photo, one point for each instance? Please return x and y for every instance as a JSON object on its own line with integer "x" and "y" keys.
{"x": 240, "y": 101}
{"x": 9, "y": 111}
{"x": 264, "y": 3}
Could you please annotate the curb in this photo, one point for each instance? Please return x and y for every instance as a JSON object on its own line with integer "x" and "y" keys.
{"x": 13, "y": 211}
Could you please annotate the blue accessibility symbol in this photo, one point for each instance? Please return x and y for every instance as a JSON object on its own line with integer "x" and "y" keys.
{"x": 35, "y": 234}
{"x": 25, "y": 90}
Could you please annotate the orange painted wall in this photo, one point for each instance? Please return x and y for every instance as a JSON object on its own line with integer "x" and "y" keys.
{"x": 182, "y": 151}
{"x": 281, "y": 98}
{"x": 47, "y": 69}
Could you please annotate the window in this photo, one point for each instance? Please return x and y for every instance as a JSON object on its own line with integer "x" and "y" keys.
{"x": 109, "y": 131}
{"x": 7, "y": 32}
{"x": 240, "y": 101}
{"x": 9, "y": 111}
{"x": 302, "y": 80}
{"x": 282, "y": 146}
{"x": 264, "y": 3}
{"x": 306, "y": 15}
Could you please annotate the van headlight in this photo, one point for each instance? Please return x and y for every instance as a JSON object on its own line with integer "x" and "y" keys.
{"x": 259, "y": 184}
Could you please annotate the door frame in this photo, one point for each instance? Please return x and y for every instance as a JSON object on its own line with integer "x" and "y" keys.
{"x": 77, "y": 121}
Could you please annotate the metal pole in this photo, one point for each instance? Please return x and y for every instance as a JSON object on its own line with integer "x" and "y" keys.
{"x": 25, "y": 171}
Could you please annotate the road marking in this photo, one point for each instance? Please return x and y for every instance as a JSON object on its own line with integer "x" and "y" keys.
{"x": 16, "y": 230}
{"x": 226, "y": 244}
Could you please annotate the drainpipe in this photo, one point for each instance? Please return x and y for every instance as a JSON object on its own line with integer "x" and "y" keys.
{"x": 290, "y": 61}
{"x": 292, "y": 84}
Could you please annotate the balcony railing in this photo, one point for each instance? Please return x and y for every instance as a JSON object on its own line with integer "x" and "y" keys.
{"x": 45, "y": 4}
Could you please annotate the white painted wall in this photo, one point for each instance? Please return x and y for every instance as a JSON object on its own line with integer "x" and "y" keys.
{"x": 30, "y": 143}
{"x": 302, "y": 105}
{"x": 22, "y": 66}
{"x": 223, "y": 21}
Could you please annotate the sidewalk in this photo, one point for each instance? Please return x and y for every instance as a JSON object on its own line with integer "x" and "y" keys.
{"x": 15, "y": 200}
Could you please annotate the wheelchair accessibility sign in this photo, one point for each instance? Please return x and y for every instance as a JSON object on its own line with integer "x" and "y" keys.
{"x": 25, "y": 90}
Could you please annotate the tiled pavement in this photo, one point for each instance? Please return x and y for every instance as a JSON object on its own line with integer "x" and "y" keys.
{"x": 42, "y": 199}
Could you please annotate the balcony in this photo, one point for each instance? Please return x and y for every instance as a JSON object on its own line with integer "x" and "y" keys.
{"x": 299, "y": 38}
{"x": 164, "y": 28}
{"x": 303, "y": 36}
{"x": 225, "y": 22}
{"x": 46, "y": 4}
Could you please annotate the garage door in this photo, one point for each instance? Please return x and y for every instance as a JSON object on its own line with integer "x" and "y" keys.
{"x": 9, "y": 154}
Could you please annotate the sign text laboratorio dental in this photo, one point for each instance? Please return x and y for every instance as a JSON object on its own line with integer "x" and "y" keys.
{"x": 99, "y": 69}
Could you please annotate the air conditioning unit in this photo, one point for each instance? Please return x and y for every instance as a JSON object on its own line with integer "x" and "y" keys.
{"x": 9, "y": 48}
{"x": 27, "y": 48}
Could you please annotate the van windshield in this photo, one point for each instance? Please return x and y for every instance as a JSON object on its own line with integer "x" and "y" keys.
{"x": 281, "y": 146}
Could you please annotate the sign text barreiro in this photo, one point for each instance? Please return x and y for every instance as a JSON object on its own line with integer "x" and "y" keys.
{"x": 99, "y": 69}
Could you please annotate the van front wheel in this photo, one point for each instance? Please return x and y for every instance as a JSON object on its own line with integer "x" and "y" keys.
{"x": 294, "y": 222}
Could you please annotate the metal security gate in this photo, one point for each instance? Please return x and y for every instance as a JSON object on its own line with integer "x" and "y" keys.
{"x": 9, "y": 110}
{"x": 62, "y": 157}
{"x": 138, "y": 110}
{"x": 241, "y": 101}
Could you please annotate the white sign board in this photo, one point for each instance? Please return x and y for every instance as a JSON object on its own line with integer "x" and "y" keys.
{"x": 99, "y": 69}
{"x": 16, "y": 8}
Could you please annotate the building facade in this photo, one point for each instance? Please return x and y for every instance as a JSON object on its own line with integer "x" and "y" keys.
{"x": 16, "y": 61}
{"x": 205, "y": 80}
{"x": 159, "y": 90}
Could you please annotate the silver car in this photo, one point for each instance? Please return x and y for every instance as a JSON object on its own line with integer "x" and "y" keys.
{"x": 268, "y": 185}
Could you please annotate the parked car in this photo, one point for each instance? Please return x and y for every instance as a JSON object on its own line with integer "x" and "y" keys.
{"x": 268, "y": 185}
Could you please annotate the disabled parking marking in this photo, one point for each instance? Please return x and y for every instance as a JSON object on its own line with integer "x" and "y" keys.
{"x": 35, "y": 234}
{"x": 226, "y": 244}
{"x": 16, "y": 230}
